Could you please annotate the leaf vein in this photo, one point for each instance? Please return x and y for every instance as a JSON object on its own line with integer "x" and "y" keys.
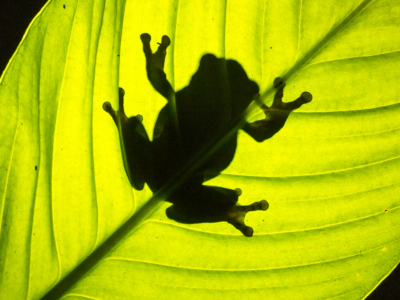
{"x": 130, "y": 260}
{"x": 315, "y": 174}
{"x": 351, "y": 57}
{"x": 54, "y": 139}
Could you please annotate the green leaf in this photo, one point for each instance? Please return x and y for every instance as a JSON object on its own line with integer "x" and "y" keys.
{"x": 331, "y": 175}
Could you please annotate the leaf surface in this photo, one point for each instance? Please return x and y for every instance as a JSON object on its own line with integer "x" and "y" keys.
{"x": 331, "y": 175}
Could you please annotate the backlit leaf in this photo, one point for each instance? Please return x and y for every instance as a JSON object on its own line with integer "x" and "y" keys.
{"x": 331, "y": 175}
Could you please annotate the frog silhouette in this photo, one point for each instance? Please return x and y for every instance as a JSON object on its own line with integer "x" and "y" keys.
{"x": 209, "y": 107}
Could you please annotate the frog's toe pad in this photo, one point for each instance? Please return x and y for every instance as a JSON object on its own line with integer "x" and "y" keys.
{"x": 165, "y": 41}
{"x": 139, "y": 118}
{"x": 107, "y": 106}
{"x": 278, "y": 82}
{"x": 238, "y": 191}
{"x": 145, "y": 37}
{"x": 264, "y": 205}
{"x": 307, "y": 97}
{"x": 248, "y": 231}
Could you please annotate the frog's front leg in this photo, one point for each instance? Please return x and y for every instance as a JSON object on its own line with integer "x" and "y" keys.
{"x": 276, "y": 115}
{"x": 155, "y": 65}
{"x": 135, "y": 144}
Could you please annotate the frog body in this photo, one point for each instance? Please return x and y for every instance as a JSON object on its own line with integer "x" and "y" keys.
{"x": 193, "y": 118}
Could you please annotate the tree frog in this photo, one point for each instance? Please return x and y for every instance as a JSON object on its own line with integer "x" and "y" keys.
{"x": 210, "y": 106}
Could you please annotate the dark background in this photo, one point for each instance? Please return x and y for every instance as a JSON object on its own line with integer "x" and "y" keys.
{"x": 15, "y": 17}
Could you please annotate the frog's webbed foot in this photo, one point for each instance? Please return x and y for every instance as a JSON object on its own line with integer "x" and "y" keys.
{"x": 120, "y": 114}
{"x": 155, "y": 65}
{"x": 237, "y": 213}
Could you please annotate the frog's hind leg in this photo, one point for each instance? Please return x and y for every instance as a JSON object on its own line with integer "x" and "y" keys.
{"x": 135, "y": 144}
{"x": 197, "y": 203}
{"x": 208, "y": 204}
